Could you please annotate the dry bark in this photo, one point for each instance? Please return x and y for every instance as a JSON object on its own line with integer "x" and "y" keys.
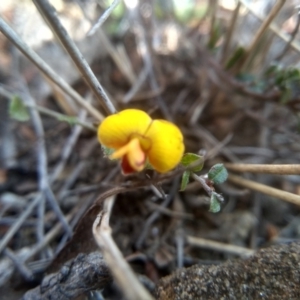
{"x": 272, "y": 273}
{"x": 84, "y": 273}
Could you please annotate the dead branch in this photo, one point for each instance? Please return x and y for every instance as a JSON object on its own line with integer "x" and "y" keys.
{"x": 84, "y": 273}
{"x": 272, "y": 273}
{"x": 122, "y": 272}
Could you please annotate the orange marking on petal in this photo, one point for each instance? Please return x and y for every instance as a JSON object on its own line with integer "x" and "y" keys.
{"x": 135, "y": 155}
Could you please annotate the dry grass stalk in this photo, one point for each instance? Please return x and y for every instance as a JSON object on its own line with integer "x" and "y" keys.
{"x": 217, "y": 246}
{"x": 283, "y": 195}
{"x": 265, "y": 169}
{"x": 261, "y": 31}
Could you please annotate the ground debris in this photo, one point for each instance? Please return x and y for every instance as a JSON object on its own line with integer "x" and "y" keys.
{"x": 272, "y": 273}
{"x": 84, "y": 273}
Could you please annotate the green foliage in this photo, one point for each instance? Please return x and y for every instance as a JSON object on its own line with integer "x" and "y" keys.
{"x": 215, "y": 205}
{"x": 218, "y": 174}
{"x": 17, "y": 110}
{"x": 195, "y": 162}
{"x": 255, "y": 83}
{"x": 191, "y": 158}
{"x": 285, "y": 79}
{"x": 235, "y": 57}
{"x": 185, "y": 180}
{"x": 107, "y": 151}
{"x": 69, "y": 119}
{"x": 214, "y": 36}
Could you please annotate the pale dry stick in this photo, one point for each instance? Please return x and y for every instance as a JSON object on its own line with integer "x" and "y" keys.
{"x": 39, "y": 145}
{"x": 229, "y": 33}
{"x": 206, "y": 187}
{"x": 103, "y": 17}
{"x": 25, "y": 254}
{"x": 119, "y": 60}
{"x": 120, "y": 269}
{"x": 217, "y": 246}
{"x": 19, "y": 264}
{"x": 48, "y": 112}
{"x": 144, "y": 49}
{"x": 263, "y": 28}
{"x": 295, "y": 45}
{"x": 46, "y": 70}
{"x": 17, "y": 225}
{"x": 126, "y": 69}
{"x": 43, "y": 180}
{"x": 265, "y": 169}
{"x": 49, "y": 14}
{"x": 68, "y": 147}
{"x": 62, "y": 117}
{"x": 273, "y": 192}
{"x": 293, "y": 36}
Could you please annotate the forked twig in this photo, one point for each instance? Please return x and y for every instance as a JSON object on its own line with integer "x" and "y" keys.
{"x": 103, "y": 17}
{"x": 295, "y": 45}
{"x": 264, "y": 26}
{"x": 120, "y": 269}
{"x": 293, "y": 36}
{"x": 46, "y": 69}
{"x": 48, "y": 12}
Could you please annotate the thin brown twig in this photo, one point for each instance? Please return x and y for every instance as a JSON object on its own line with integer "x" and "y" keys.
{"x": 265, "y": 169}
{"x": 217, "y": 246}
{"x": 273, "y": 192}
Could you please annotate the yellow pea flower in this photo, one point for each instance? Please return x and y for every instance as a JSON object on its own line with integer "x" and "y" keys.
{"x": 136, "y": 139}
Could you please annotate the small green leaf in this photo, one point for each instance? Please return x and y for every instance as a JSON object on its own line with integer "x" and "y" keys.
{"x": 218, "y": 174}
{"x": 236, "y": 56}
{"x": 215, "y": 34}
{"x": 285, "y": 96}
{"x": 185, "y": 180}
{"x": 272, "y": 69}
{"x": 17, "y": 109}
{"x": 148, "y": 165}
{"x": 71, "y": 120}
{"x": 215, "y": 205}
{"x": 107, "y": 151}
{"x": 190, "y": 158}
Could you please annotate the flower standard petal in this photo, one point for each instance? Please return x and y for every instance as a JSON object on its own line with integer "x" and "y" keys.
{"x": 116, "y": 130}
{"x": 166, "y": 145}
